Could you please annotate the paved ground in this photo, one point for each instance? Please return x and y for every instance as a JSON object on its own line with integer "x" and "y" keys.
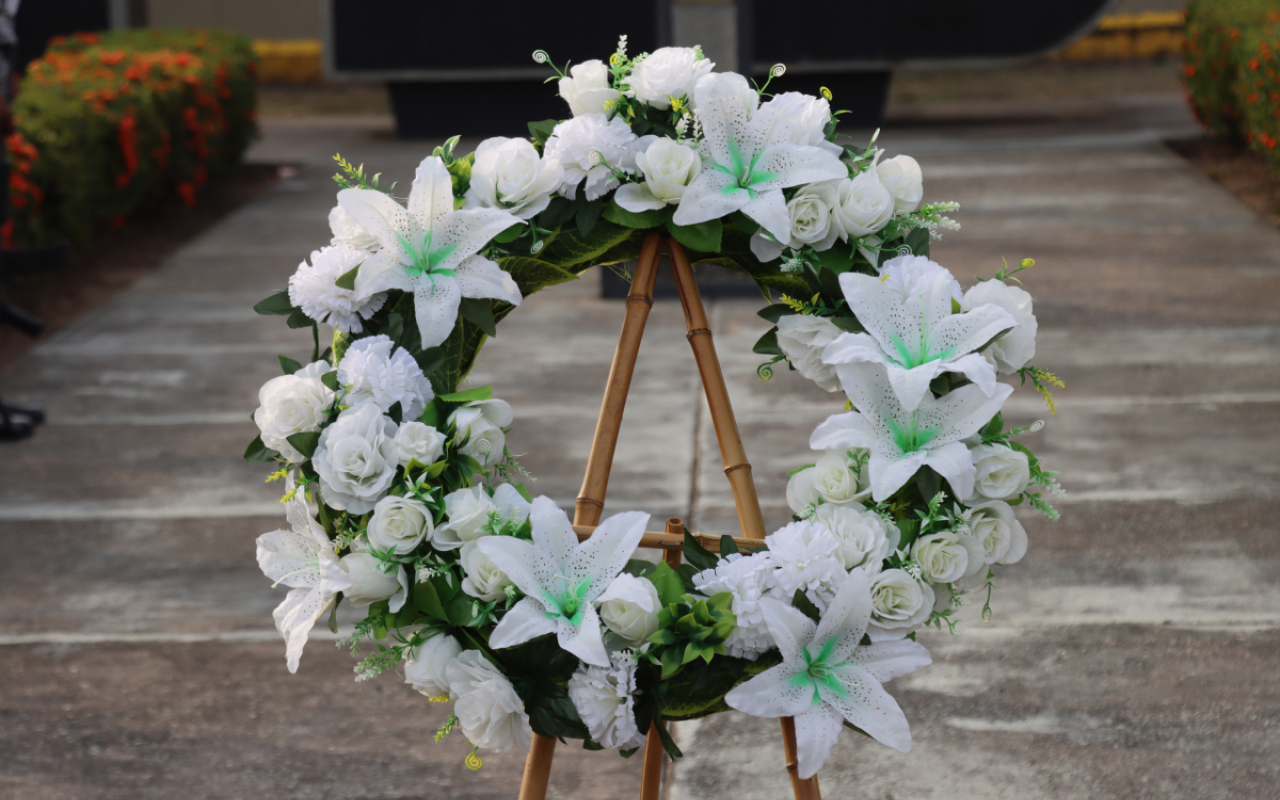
{"x": 1132, "y": 655}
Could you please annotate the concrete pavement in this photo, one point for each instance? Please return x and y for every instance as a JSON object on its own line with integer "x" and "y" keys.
{"x": 1132, "y": 653}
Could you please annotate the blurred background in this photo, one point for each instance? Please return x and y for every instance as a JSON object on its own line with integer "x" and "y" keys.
{"x": 169, "y": 163}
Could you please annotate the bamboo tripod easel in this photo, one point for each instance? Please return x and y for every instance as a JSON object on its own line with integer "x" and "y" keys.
{"x": 590, "y": 502}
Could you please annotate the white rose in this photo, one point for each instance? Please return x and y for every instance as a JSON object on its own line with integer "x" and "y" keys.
{"x": 586, "y": 89}
{"x": 489, "y": 711}
{"x": 357, "y": 458}
{"x": 668, "y": 168}
{"x": 420, "y": 442}
{"x": 910, "y": 275}
{"x": 508, "y": 174}
{"x": 1004, "y": 540}
{"x": 400, "y": 524}
{"x": 425, "y": 667}
{"x": 1002, "y": 472}
{"x": 904, "y": 181}
{"x": 293, "y": 404}
{"x": 866, "y": 540}
{"x": 806, "y": 118}
{"x": 1015, "y": 349}
{"x": 810, "y": 215}
{"x": 947, "y": 557}
{"x": 369, "y": 583}
{"x": 346, "y": 231}
{"x": 899, "y": 603}
{"x": 863, "y": 206}
{"x": 482, "y": 423}
{"x": 666, "y": 73}
{"x": 483, "y": 578}
{"x": 467, "y": 512}
{"x": 802, "y": 337}
{"x": 629, "y": 608}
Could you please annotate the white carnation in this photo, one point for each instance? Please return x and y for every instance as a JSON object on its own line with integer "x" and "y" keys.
{"x": 424, "y": 669}
{"x": 1015, "y": 349}
{"x": 802, "y": 337}
{"x": 909, "y": 275}
{"x": 289, "y": 404}
{"x": 1002, "y": 472}
{"x": 313, "y": 288}
{"x": 604, "y": 698}
{"x": 419, "y": 442}
{"x": 899, "y": 603}
{"x": 866, "y": 540}
{"x": 373, "y": 372}
{"x": 586, "y": 89}
{"x": 489, "y": 711}
{"x": 357, "y": 458}
{"x": 666, "y": 73}
{"x": 747, "y": 578}
{"x": 400, "y": 524}
{"x": 483, "y": 579}
{"x": 590, "y": 148}
{"x": 508, "y": 174}
{"x": 806, "y": 556}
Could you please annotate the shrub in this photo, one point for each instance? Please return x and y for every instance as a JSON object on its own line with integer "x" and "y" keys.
{"x": 1257, "y": 88}
{"x": 1215, "y": 30}
{"x": 107, "y": 124}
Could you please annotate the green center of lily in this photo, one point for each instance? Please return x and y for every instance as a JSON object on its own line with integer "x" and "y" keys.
{"x": 920, "y": 352}
{"x": 425, "y": 260}
{"x": 821, "y": 671}
{"x": 571, "y": 602}
{"x": 910, "y": 437}
{"x": 745, "y": 174}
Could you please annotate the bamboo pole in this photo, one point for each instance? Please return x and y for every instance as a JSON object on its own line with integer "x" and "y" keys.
{"x": 595, "y": 483}
{"x": 537, "y": 768}
{"x": 651, "y": 776}
{"x": 736, "y": 466}
{"x": 804, "y": 789}
{"x": 674, "y": 540}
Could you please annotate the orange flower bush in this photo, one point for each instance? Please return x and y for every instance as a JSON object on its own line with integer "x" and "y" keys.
{"x": 110, "y": 123}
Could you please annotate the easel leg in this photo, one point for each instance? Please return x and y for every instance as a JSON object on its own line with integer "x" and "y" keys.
{"x": 804, "y": 789}
{"x": 596, "y": 481}
{"x": 537, "y": 768}
{"x": 651, "y": 776}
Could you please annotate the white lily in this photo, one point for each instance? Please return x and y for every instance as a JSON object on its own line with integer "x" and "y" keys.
{"x": 826, "y": 677}
{"x": 902, "y": 441}
{"x": 918, "y": 339}
{"x": 302, "y": 559}
{"x": 430, "y": 249}
{"x": 749, "y": 157}
{"x": 562, "y": 578}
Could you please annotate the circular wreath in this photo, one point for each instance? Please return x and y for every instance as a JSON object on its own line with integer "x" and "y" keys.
{"x": 404, "y": 501}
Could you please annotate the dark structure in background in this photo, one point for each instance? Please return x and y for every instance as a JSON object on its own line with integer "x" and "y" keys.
{"x": 444, "y": 80}
{"x": 41, "y": 20}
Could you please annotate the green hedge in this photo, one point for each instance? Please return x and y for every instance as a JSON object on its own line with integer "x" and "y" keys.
{"x": 107, "y": 124}
{"x": 1230, "y": 74}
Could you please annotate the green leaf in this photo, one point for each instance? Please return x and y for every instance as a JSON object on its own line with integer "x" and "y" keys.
{"x": 524, "y": 492}
{"x": 995, "y": 427}
{"x": 574, "y": 252}
{"x": 667, "y": 582}
{"x": 918, "y": 241}
{"x": 305, "y": 442}
{"x": 668, "y": 743}
{"x": 767, "y": 345}
{"x": 330, "y": 379}
{"x": 431, "y": 359}
{"x": 849, "y": 324}
{"x": 434, "y": 414}
{"x": 587, "y": 216}
{"x": 259, "y": 452}
{"x": 838, "y": 258}
{"x": 687, "y": 573}
{"x": 803, "y": 604}
{"x": 288, "y": 365}
{"x": 297, "y": 319}
{"x": 559, "y": 211}
{"x": 533, "y": 275}
{"x": 697, "y": 555}
{"x": 703, "y": 237}
{"x": 775, "y": 312}
{"x": 396, "y": 412}
{"x": 479, "y": 312}
{"x": 743, "y": 223}
{"x": 541, "y": 131}
{"x": 470, "y": 395}
{"x": 277, "y": 304}
{"x": 510, "y": 234}
{"x": 348, "y": 279}
{"x": 928, "y": 482}
{"x": 635, "y": 219}
{"x": 727, "y": 546}
{"x": 638, "y": 567}
{"x": 428, "y": 602}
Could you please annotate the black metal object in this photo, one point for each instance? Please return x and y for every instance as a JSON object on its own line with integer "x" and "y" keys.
{"x": 39, "y": 21}
{"x": 446, "y": 80}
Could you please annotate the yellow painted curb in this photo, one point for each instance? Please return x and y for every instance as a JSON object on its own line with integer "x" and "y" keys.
{"x": 289, "y": 60}
{"x": 1123, "y": 37}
